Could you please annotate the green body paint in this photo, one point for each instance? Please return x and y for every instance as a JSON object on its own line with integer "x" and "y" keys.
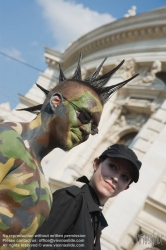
{"x": 93, "y": 107}
{"x": 25, "y": 197}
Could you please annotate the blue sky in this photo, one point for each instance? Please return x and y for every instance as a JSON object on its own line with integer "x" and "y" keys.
{"x": 27, "y": 26}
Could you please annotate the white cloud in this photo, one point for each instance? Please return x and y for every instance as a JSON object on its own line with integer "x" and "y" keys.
{"x": 68, "y": 21}
{"x": 15, "y": 53}
{"x": 34, "y": 43}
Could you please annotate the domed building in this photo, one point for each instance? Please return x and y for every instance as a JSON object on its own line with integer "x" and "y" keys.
{"x": 134, "y": 116}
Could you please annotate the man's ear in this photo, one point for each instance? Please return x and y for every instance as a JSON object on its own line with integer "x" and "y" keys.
{"x": 55, "y": 100}
{"x": 96, "y": 163}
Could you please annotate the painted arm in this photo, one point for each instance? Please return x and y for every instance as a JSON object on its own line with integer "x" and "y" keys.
{"x": 25, "y": 197}
{"x": 12, "y": 151}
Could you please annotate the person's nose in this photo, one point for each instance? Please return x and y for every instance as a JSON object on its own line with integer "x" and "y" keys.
{"x": 114, "y": 178}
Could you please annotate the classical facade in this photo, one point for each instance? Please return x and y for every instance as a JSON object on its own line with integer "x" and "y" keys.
{"x": 135, "y": 116}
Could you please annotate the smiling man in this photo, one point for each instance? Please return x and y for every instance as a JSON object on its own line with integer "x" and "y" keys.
{"x": 69, "y": 114}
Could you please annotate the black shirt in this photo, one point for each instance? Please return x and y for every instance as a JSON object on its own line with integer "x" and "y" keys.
{"x": 75, "y": 213}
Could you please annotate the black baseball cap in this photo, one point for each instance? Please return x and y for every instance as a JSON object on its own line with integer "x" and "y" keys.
{"x": 122, "y": 151}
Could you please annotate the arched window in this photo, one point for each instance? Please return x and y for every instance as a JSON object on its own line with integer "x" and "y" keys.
{"x": 127, "y": 139}
{"x": 162, "y": 76}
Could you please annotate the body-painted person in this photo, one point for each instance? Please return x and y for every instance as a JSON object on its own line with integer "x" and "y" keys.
{"x": 69, "y": 114}
{"x": 76, "y": 218}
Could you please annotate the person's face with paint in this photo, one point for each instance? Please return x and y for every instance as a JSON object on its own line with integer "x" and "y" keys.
{"x": 79, "y": 115}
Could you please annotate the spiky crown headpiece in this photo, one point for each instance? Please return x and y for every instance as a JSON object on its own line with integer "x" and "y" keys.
{"x": 94, "y": 82}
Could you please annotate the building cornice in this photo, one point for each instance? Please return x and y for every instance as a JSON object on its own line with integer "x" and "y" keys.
{"x": 26, "y": 101}
{"x": 141, "y": 27}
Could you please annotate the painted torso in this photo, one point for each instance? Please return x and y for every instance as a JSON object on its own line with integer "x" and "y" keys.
{"x": 25, "y": 196}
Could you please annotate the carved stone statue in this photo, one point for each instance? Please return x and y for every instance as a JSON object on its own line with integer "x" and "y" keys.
{"x": 127, "y": 69}
{"x": 151, "y": 75}
{"x": 131, "y": 12}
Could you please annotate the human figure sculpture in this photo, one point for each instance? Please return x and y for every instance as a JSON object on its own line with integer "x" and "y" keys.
{"x": 69, "y": 114}
{"x": 131, "y": 12}
{"x": 151, "y": 74}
